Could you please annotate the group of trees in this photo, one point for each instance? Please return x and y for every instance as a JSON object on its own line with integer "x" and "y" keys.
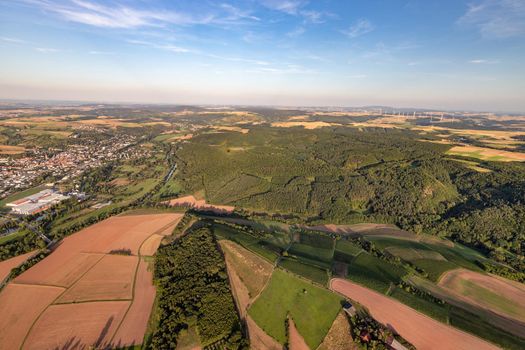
{"x": 194, "y": 291}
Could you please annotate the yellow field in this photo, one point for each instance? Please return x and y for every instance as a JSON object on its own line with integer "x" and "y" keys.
{"x": 487, "y": 154}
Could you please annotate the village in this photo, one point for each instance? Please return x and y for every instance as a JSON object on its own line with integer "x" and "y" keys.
{"x": 35, "y": 165}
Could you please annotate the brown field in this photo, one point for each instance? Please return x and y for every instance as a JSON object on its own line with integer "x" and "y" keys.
{"x": 150, "y": 245}
{"x": 192, "y": 202}
{"x": 231, "y": 128}
{"x": 120, "y": 181}
{"x": 21, "y": 305}
{"x": 253, "y": 271}
{"x": 81, "y": 325}
{"x": 487, "y": 154}
{"x": 306, "y": 125}
{"x": 7, "y": 265}
{"x": 295, "y": 339}
{"x": 500, "y": 295}
{"x": 61, "y": 268}
{"x": 110, "y": 279}
{"x": 414, "y": 254}
{"x": 5, "y": 149}
{"x": 72, "y": 319}
{"x": 420, "y": 330}
{"x": 248, "y": 274}
{"x": 132, "y": 329}
{"x": 339, "y": 337}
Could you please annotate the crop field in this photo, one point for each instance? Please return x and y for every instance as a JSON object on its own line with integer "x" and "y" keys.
{"x": 373, "y": 272}
{"x": 313, "y": 273}
{"x": 314, "y": 253}
{"x": 304, "y": 302}
{"x": 246, "y": 240}
{"x": 420, "y": 330}
{"x": 82, "y": 292}
{"x": 7, "y": 265}
{"x": 9, "y": 150}
{"x": 253, "y": 271}
{"x": 489, "y": 154}
{"x": 432, "y": 309}
{"x": 497, "y": 294}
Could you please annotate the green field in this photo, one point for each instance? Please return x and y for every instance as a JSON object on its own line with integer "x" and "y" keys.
{"x": 18, "y": 234}
{"x": 312, "y": 308}
{"x": 308, "y": 271}
{"x": 246, "y": 240}
{"x": 311, "y": 252}
{"x": 434, "y": 268}
{"x": 346, "y": 251}
{"x": 432, "y": 309}
{"x": 374, "y": 273}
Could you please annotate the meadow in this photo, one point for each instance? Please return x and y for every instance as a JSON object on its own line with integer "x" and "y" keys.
{"x": 287, "y": 295}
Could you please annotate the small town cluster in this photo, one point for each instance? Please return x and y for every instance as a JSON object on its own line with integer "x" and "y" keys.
{"x": 21, "y": 172}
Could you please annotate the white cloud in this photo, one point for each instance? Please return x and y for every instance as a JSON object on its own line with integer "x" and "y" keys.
{"x": 96, "y": 52}
{"x": 296, "y": 32}
{"x": 13, "y": 40}
{"x": 361, "y": 27}
{"x": 46, "y": 49}
{"x": 167, "y": 47}
{"x": 290, "y": 7}
{"x": 496, "y": 19}
{"x": 120, "y": 16}
{"x": 482, "y": 61}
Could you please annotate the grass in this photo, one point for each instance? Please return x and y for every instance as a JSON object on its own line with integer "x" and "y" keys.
{"x": 434, "y": 310}
{"x": 486, "y": 296}
{"x": 473, "y": 324}
{"x": 312, "y": 308}
{"x": 310, "y": 272}
{"x": 374, "y": 273}
{"x": 18, "y": 234}
{"x": 20, "y": 195}
{"x": 310, "y": 252}
{"x": 246, "y": 240}
{"x": 434, "y": 268}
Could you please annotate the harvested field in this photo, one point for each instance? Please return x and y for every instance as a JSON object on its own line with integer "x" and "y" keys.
{"x": 306, "y": 125}
{"x": 231, "y": 128}
{"x": 410, "y": 254}
{"x": 21, "y": 305}
{"x": 5, "y": 149}
{"x": 79, "y": 325}
{"x": 497, "y": 294}
{"x": 256, "y": 272}
{"x": 150, "y": 245}
{"x": 191, "y": 202}
{"x": 422, "y": 331}
{"x": 339, "y": 337}
{"x": 133, "y": 328}
{"x": 61, "y": 268}
{"x": 110, "y": 279}
{"x": 365, "y": 229}
{"x": 295, "y": 340}
{"x": 487, "y": 154}
{"x": 97, "y": 283}
{"x": 7, "y": 265}
{"x": 253, "y": 271}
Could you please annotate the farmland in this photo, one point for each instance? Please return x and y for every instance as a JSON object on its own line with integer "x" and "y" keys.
{"x": 288, "y": 295}
{"x": 422, "y": 331}
{"x": 83, "y": 283}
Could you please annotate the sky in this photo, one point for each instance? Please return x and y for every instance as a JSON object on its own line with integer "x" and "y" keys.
{"x": 446, "y": 54}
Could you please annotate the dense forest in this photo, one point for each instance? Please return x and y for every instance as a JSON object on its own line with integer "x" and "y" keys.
{"x": 343, "y": 175}
{"x": 194, "y": 291}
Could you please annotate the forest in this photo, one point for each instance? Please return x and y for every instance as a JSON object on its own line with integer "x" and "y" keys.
{"x": 194, "y": 291}
{"x": 350, "y": 175}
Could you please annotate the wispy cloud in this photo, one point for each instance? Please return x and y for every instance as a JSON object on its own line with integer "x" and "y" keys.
{"x": 121, "y": 16}
{"x": 102, "y": 53}
{"x": 166, "y": 47}
{"x": 296, "y": 32}
{"x": 290, "y": 7}
{"x": 237, "y": 13}
{"x": 496, "y": 19}
{"x": 361, "y": 27}
{"x": 483, "y": 61}
{"x": 46, "y": 49}
{"x": 13, "y": 40}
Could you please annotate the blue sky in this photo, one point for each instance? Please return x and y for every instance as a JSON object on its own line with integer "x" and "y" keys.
{"x": 451, "y": 54}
